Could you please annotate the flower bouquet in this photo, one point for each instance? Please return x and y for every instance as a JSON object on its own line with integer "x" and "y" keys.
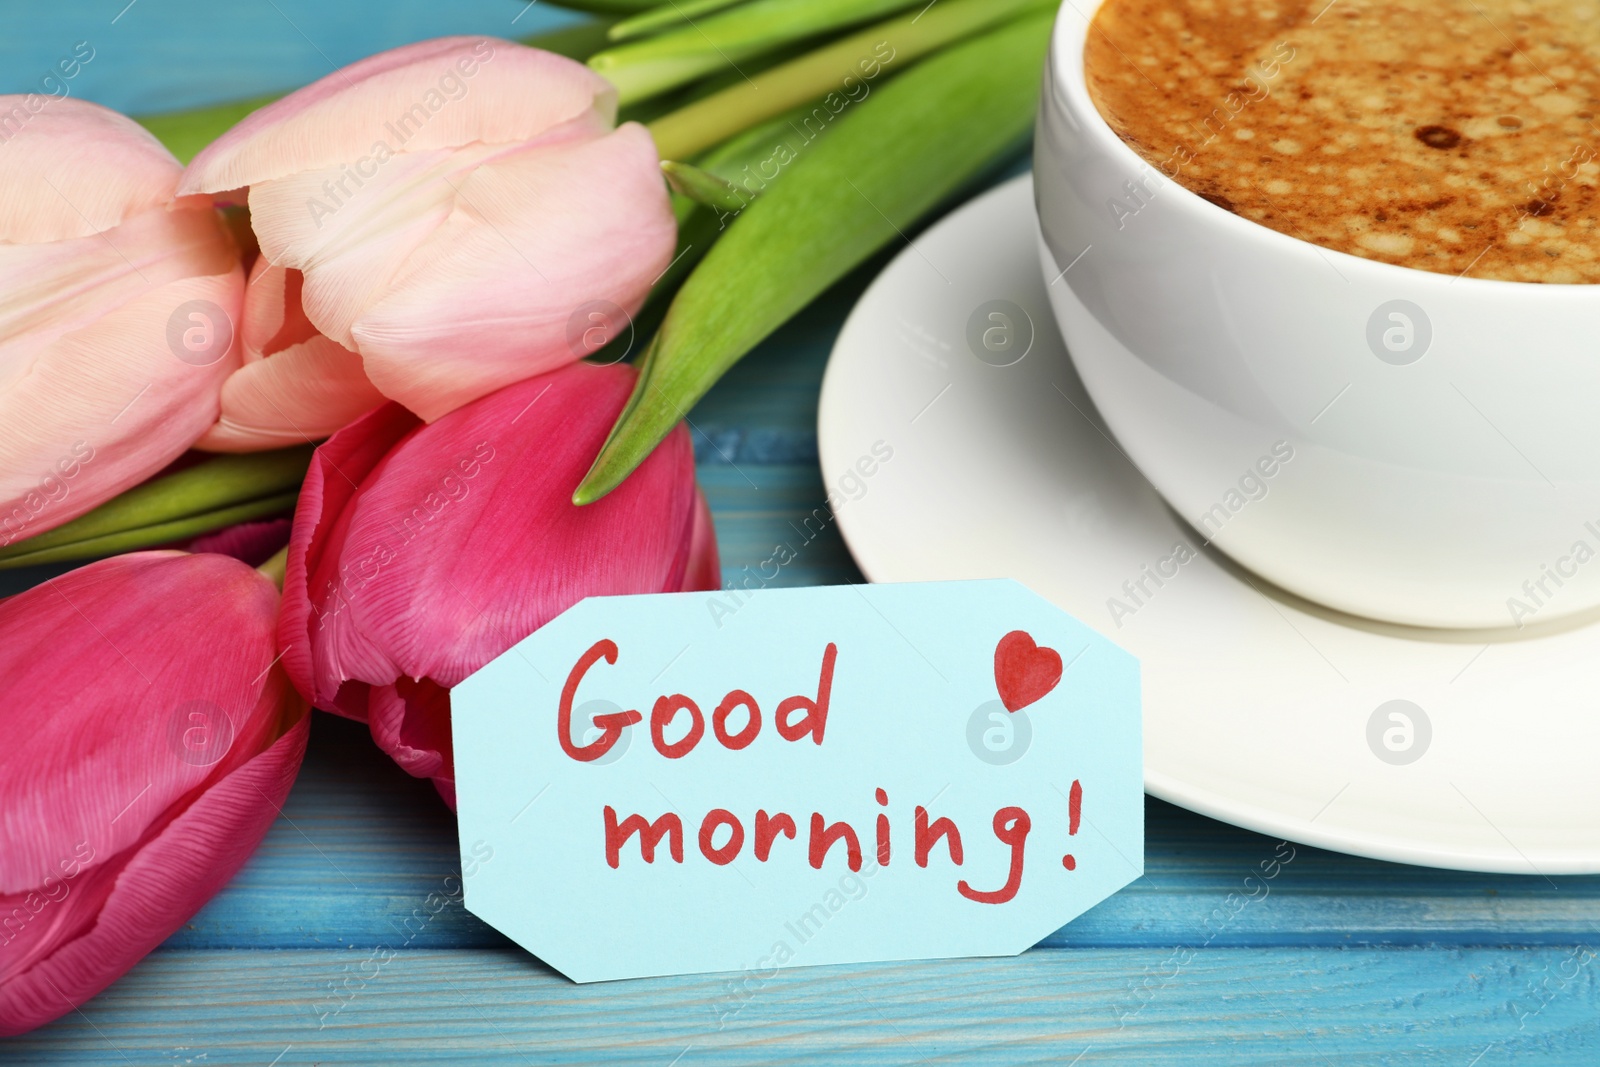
{"x": 345, "y": 393}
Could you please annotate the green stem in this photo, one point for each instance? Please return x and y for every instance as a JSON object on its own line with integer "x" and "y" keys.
{"x": 163, "y": 533}
{"x": 276, "y": 568}
{"x": 645, "y": 68}
{"x": 690, "y": 130}
{"x": 209, "y": 486}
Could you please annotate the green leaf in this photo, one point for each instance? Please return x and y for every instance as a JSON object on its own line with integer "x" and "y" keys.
{"x": 666, "y": 17}
{"x": 579, "y": 41}
{"x": 703, "y": 187}
{"x": 892, "y": 158}
{"x": 834, "y": 76}
{"x": 645, "y": 68}
{"x": 215, "y": 487}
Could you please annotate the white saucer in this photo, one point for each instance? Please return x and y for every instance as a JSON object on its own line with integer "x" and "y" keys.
{"x": 1257, "y": 705}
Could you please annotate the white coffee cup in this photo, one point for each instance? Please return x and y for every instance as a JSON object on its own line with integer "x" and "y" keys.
{"x": 1394, "y": 443}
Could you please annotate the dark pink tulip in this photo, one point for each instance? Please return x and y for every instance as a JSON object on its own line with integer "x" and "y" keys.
{"x": 422, "y": 552}
{"x": 148, "y": 743}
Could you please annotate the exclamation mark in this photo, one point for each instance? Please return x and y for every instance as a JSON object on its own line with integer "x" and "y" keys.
{"x": 1074, "y": 817}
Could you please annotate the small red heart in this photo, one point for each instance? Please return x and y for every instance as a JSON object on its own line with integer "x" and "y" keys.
{"x": 1024, "y": 672}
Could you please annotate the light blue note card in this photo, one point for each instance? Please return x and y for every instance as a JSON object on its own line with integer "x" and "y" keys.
{"x": 748, "y": 782}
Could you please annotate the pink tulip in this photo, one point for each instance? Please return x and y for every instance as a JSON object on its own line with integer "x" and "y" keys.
{"x": 451, "y": 217}
{"x": 117, "y": 305}
{"x": 310, "y": 387}
{"x": 422, "y": 552}
{"x": 149, "y": 742}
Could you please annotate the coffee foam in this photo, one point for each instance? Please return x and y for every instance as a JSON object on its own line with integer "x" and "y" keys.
{"x": 1455, "y": 136}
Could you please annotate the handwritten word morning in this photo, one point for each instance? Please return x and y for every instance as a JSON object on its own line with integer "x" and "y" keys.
{"x": 797, "y": 719}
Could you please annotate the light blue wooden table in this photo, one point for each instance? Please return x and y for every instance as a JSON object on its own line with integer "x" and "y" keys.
{"x": 1343, "y": 961}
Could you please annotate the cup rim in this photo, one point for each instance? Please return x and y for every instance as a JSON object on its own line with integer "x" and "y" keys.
{"x": 1069, "y": 89}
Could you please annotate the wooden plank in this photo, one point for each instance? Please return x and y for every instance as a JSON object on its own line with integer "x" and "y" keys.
{"x": 1229, "y": 1007}
{"x": 774, "y": 527}
{"x": 189, "y": 53}
{"x": 362, "y": 846}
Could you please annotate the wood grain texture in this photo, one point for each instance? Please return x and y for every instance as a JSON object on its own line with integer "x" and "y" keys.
{"x": 165, "y": 55}
{"x": 1312, "y": 1007}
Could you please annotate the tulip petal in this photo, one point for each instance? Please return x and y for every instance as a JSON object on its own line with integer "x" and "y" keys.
{"x": 50, "y": 290}
{"x": 296, "y": 385}
{"x": 97, "y": 387}
{"x": 314, "y": 572}
{"x": 252, "y": 543}
{"x": 459, "y": 504}
{"x": 71, "y": 168}
{"x": 81, "y": 766}
{"x": 443, "y": 93}
{"x": 421, "y": 552}
{"x": 411, "y": 722}
{"x": 273, "y": 316}
{"x": 156, "y": 888}
{"x": 489, "y": 298}
{"x": 303, "y": 393}
{"x": 704, "y": 570}
{"x": 106, "y": 406}
{"x": 351, "y": 246}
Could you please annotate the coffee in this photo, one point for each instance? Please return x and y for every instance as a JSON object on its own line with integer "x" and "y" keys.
{"x": 1455, "y": 136}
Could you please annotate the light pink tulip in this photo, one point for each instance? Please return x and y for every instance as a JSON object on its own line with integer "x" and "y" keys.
{"x": 449, "y": 213}
{"x": 149, "y": 742}
{"x": 117, "y": 305}
{"x": 422, "y": 552}
{"x": 308, "y": 388}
